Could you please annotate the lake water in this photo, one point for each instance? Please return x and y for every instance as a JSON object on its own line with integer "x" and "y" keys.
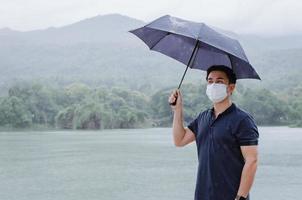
{"x": 132, "y": 164}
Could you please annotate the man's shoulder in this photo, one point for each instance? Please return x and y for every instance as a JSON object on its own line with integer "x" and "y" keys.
{"x": 242, "y": 113}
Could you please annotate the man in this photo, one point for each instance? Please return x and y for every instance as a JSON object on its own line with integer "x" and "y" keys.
{"x": 226, "y": 139}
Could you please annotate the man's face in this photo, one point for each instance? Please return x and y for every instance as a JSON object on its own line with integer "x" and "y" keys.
{"x": 222, "y": 78}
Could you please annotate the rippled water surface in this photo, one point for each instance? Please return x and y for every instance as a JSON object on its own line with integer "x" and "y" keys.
{"x": 131, "y": 164}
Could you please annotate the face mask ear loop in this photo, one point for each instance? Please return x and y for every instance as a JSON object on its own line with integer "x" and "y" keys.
{"x": 231, "y": 92}
{"x": 227, "y": 88}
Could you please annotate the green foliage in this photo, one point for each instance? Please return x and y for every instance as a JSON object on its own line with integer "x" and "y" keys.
{"x": 267, "y": 108}
{"x": 27, "y": 104}
{"x": 294, "y": 100}
{"x": 77, "y": 106}
{"x": 194, "y": 101}
{"x": 65, "y": 118}
{"x": 102, "y": 108}
{"x": 14, "y": 113}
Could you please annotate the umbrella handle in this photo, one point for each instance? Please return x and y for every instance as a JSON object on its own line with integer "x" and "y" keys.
{"x": 173, "y": 103}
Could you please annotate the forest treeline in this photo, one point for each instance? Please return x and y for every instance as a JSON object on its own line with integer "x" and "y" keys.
{"x": 78, "y": 106}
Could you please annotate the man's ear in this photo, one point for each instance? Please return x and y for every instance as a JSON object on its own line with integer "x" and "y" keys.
{"x": 231, "y": 88}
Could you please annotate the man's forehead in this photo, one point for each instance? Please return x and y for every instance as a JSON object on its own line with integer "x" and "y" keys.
{"x": 217, "y": 74}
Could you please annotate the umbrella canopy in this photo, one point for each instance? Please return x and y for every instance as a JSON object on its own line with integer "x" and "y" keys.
{"x": 196, "y": 45}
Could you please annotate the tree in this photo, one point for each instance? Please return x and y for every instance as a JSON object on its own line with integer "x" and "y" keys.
{"x": 265, "y": 106}
{"x": 13, "y": 112}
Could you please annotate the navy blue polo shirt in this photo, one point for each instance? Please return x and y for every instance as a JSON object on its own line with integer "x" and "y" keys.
{"x": 220, "y": 161}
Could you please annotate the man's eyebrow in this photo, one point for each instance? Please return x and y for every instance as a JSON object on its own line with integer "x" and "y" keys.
{"x": 220, "y": 78}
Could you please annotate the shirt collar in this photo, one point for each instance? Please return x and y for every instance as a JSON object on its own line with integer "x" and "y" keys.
{"x": 231, "y": 108}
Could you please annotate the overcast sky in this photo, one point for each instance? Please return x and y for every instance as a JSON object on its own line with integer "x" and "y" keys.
{"x": 267, "y": 17}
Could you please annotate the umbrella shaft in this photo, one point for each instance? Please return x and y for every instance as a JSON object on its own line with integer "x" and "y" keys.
{"x": 183, "y": 76}
{"x": 189, "y": 63}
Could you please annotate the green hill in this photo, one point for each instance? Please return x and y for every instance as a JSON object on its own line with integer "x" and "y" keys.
{"x": 101, "y": 51}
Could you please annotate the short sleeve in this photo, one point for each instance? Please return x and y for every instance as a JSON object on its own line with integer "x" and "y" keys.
{"x": 193, "y": 125}
{"x": 247, "y": 133}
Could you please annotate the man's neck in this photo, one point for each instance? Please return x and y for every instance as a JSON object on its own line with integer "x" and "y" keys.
{"x": 222, "y": 106}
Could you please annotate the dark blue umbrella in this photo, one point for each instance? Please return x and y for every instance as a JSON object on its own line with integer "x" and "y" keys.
{"x": 196, "y": 45}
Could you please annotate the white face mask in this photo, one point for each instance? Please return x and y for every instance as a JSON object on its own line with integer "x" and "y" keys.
{"x": 216, "y": 92}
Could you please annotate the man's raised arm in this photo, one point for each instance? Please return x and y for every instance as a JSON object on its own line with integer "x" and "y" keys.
{"x": 181, "y": 136}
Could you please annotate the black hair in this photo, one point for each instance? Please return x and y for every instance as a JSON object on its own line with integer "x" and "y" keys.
{"x": 228, "y": 71}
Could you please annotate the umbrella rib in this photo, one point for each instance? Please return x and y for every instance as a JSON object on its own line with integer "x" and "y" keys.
{"x": 168, "y": 33}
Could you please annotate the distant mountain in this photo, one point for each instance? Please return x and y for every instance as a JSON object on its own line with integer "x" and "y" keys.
{"x": 256, "y": 44}
{"x": 280, "y": 69}
{"x": 100, "y": 50}
{"x": 7, "y": 31}
{"x": 97, "y": 29}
